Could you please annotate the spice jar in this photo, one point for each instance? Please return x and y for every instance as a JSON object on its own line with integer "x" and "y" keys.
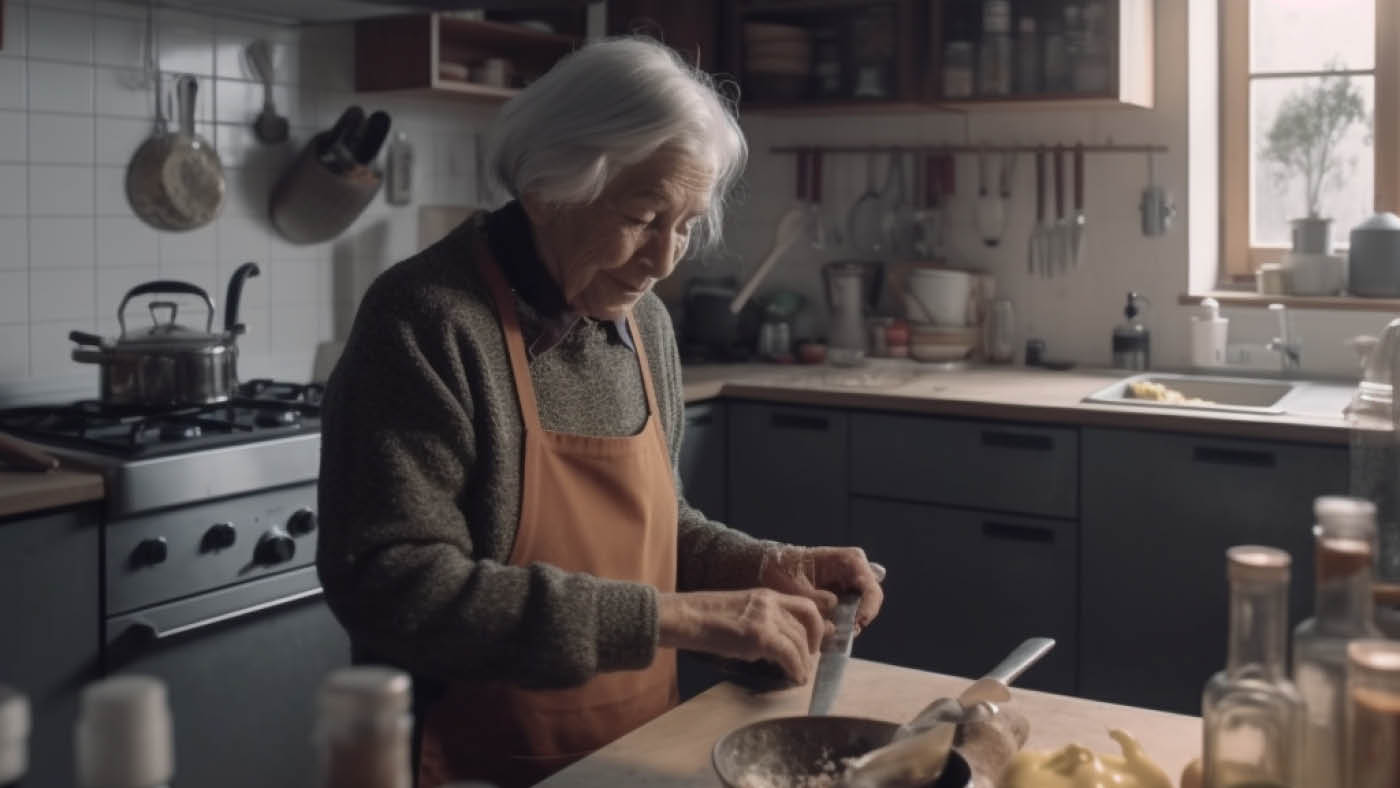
{"x": 1373, "y": 714}
{"x": 958, "y": 69}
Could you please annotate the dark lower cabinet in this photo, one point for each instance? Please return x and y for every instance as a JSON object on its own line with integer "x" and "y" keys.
{"x": 788, "y": 473}
{"x": 703, "y": 450}
{"x": 49, "y": 612}
{"x": 966, "y": 587}
{"x": 1159, "y": 511}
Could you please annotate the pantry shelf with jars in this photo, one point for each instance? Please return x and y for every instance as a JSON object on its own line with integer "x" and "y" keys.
{"x": 823, "y": 56}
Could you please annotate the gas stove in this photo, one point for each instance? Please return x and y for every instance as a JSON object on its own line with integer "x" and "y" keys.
{"x": 267, "y": 436}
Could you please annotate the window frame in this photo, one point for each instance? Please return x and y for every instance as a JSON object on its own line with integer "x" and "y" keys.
{"x": 1238, "y": 258}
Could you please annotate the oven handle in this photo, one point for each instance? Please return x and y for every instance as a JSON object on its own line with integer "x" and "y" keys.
{"x": 154, "y": 631}
{"x": 170, "y": 620}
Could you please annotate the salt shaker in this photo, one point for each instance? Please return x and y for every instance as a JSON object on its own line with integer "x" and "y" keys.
{"x": 1001, "y": 332}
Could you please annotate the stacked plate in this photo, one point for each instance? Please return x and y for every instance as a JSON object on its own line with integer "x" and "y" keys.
{"x": 778, "y": 59}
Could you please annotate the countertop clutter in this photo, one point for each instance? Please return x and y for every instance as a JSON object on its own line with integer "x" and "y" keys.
{"x": 1012, "y": 393}
{"x": 673, "y": 751}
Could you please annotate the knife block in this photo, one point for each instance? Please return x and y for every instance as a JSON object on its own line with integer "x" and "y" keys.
{"x": 311, "y": 204}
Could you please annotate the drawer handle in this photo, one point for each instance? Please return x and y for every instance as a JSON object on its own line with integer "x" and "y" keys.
{"x": 1018, "y": 533}
{"x": 793, "y": 421}
{"x": 700, "y": 420}
{"x": 1243, "y": 458}
{"x": 1017, "y": 440}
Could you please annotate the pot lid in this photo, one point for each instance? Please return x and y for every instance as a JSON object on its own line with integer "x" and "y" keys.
{"x": 1382, "y": 222}
{"x": 165, "y": 333}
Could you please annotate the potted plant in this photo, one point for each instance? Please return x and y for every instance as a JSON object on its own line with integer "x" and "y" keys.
{"x": 1303, "y": 142}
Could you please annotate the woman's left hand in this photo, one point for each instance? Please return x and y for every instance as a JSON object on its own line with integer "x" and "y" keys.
{"x": 819, "y": 573}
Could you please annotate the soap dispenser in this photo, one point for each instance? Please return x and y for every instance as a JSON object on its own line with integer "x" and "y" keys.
{"x": 1209, "y": 334}
{"x": 1132, "y": 341}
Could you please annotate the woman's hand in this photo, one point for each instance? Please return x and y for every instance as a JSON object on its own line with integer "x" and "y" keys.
{"x": 753, "y": 624}
{"x": 819, "y": 573}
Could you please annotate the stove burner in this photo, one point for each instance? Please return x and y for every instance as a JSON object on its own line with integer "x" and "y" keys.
{"x": 277, "y": 418}
{"x": 176, "y": 431}
{"x": 262, "y": 410}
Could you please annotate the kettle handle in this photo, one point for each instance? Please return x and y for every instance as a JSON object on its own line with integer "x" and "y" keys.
{"x": 167, "y": 286}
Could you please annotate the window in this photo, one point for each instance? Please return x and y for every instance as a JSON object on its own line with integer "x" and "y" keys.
{"x": 1309, "y": 98}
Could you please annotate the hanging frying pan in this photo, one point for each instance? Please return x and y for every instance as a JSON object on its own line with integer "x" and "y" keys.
{"x": 175, "y": 181}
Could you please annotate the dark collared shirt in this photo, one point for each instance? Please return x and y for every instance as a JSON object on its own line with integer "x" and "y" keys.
{"x": 512, "y": 242}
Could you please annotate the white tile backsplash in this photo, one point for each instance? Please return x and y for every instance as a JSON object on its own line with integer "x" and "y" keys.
{"x": 13, "y": 83}
{"x": 62, "y": 293}
{"x": 14, "y": 352}
{"x": 60, "y": 35}
{"x": 60, "y": 87}
{"x": 56, "y": 242}
{"x": 60, "y": 190}
{"x": 76, "y": 102}
{"x": 14, "y": 243}
{"x": 119, "y": 42}
{"x": 14, "y": 190}
{"x": 16, "y": 20}
{"x": 60, "y": 139}
{"x": 125, "y": 242}
{"x": 118, "y": 139}
{"x": 14, "y": 137}
{"x": 14, "y": 297}
{"x": 191, "y": 247}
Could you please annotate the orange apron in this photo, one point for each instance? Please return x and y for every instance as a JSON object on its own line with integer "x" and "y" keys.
{"x": 601, "y": 505}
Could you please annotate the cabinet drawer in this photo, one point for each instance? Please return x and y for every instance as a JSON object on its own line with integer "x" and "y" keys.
{"x": 978, "y": 464}
{"x": 787, "y": 473}
{"x": 702, "y": 459}
{"x": 965, "y": 587}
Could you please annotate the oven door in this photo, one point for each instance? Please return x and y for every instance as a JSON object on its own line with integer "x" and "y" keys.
{"x": 242, "y": 665}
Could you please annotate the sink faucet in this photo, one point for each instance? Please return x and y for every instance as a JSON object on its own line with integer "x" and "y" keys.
{"x": 1287, "y": 344}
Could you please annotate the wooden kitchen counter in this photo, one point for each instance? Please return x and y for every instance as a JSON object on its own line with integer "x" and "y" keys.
{"x": 1005, "y": 393}
{"x": 24, "y": 492}
{"x": 673, "y": 751}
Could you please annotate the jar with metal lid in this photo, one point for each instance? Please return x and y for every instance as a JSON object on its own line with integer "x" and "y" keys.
{"x": 364, "y": 729}
{"x": 1373, "y": 714}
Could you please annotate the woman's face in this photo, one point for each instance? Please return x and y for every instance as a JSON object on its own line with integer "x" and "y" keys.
{"x": 607, "y": 254}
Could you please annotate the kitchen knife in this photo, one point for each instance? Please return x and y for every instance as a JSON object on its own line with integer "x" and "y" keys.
{"x": 836, "y": 652}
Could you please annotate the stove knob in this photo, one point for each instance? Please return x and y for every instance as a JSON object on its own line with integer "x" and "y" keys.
{"x": 275, "y": 547}
{"x": 220, "y": 536}
{"x": 301, "y": 523}
{"x": 149, "y": 552}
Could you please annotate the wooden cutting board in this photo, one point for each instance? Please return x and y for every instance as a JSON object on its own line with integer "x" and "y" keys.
{"x": 673, "y": 751}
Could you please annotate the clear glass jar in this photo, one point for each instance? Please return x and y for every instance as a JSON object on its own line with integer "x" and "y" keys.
{"x": 1056, "y": 75}
{"x": 1345, "y": 551}
{"x": 1074, "y": 42}
{"x": 364, "y": 729}
{"x": 1091, "y": 65}
{"x": 1001, "y": 332}
{"x": 124, "y": 736}
{"x": 994, "y": 64}
{"x": 1253, "y": 714}
{"x": 1373, "y": 714}
{"x": 958, "y": 69}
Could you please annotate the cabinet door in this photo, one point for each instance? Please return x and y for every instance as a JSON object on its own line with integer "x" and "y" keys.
{"x": 966, "y": 587}
{"x": 49, "y": 610}
{"x": 703, "y": 457}
{"x": 1159, "y": 513}
{"x": 787, "y": 473}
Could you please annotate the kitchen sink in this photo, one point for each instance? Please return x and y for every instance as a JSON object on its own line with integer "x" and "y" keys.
{"x": 1234, "y": 395}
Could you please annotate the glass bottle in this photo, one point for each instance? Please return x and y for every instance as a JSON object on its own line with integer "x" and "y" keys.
{"x": 994, "y": 60}
{"x": 1373, "y": 714}
{"x": 1074, "y": 42}
{"x": 1091, "y": 65}
{"x": 1253, "y": 714}
{"x": 14, "y": 737}
{"x": 124, "y": 734}
{"x": 1346, "y": 549}
{"x": 364, "y": 729}
{"x": 398, "y": 185}
{"x": 1056, "y": 70}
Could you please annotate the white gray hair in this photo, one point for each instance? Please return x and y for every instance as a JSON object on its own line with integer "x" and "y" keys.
{"x": 605, "y": 107}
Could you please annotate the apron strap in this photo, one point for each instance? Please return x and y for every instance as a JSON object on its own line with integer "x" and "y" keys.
{"x": 515, "y": 343}
{"x": 652, "y": 410}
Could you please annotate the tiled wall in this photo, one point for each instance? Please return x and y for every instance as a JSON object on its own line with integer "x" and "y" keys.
{"x": 75, "y": 102}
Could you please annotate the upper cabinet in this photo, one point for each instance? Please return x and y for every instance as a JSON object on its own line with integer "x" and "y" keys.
{"x": 826, "y": 55}
{"x": 485, "y": 60}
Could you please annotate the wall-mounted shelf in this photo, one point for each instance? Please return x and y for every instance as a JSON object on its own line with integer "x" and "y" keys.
{"x": 1244, "y": 298}
{"x": 406, "y": 53}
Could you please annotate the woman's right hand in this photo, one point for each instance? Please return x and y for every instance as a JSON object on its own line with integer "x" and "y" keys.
{"x": 752, "y": 624}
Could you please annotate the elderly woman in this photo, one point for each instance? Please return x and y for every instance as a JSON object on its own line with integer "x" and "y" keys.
{"x": 501, "y": 514}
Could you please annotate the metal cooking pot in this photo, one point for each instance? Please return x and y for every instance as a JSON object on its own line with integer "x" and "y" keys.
{"x": 799, "y": 750}
{"x": 169, "y": 364}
